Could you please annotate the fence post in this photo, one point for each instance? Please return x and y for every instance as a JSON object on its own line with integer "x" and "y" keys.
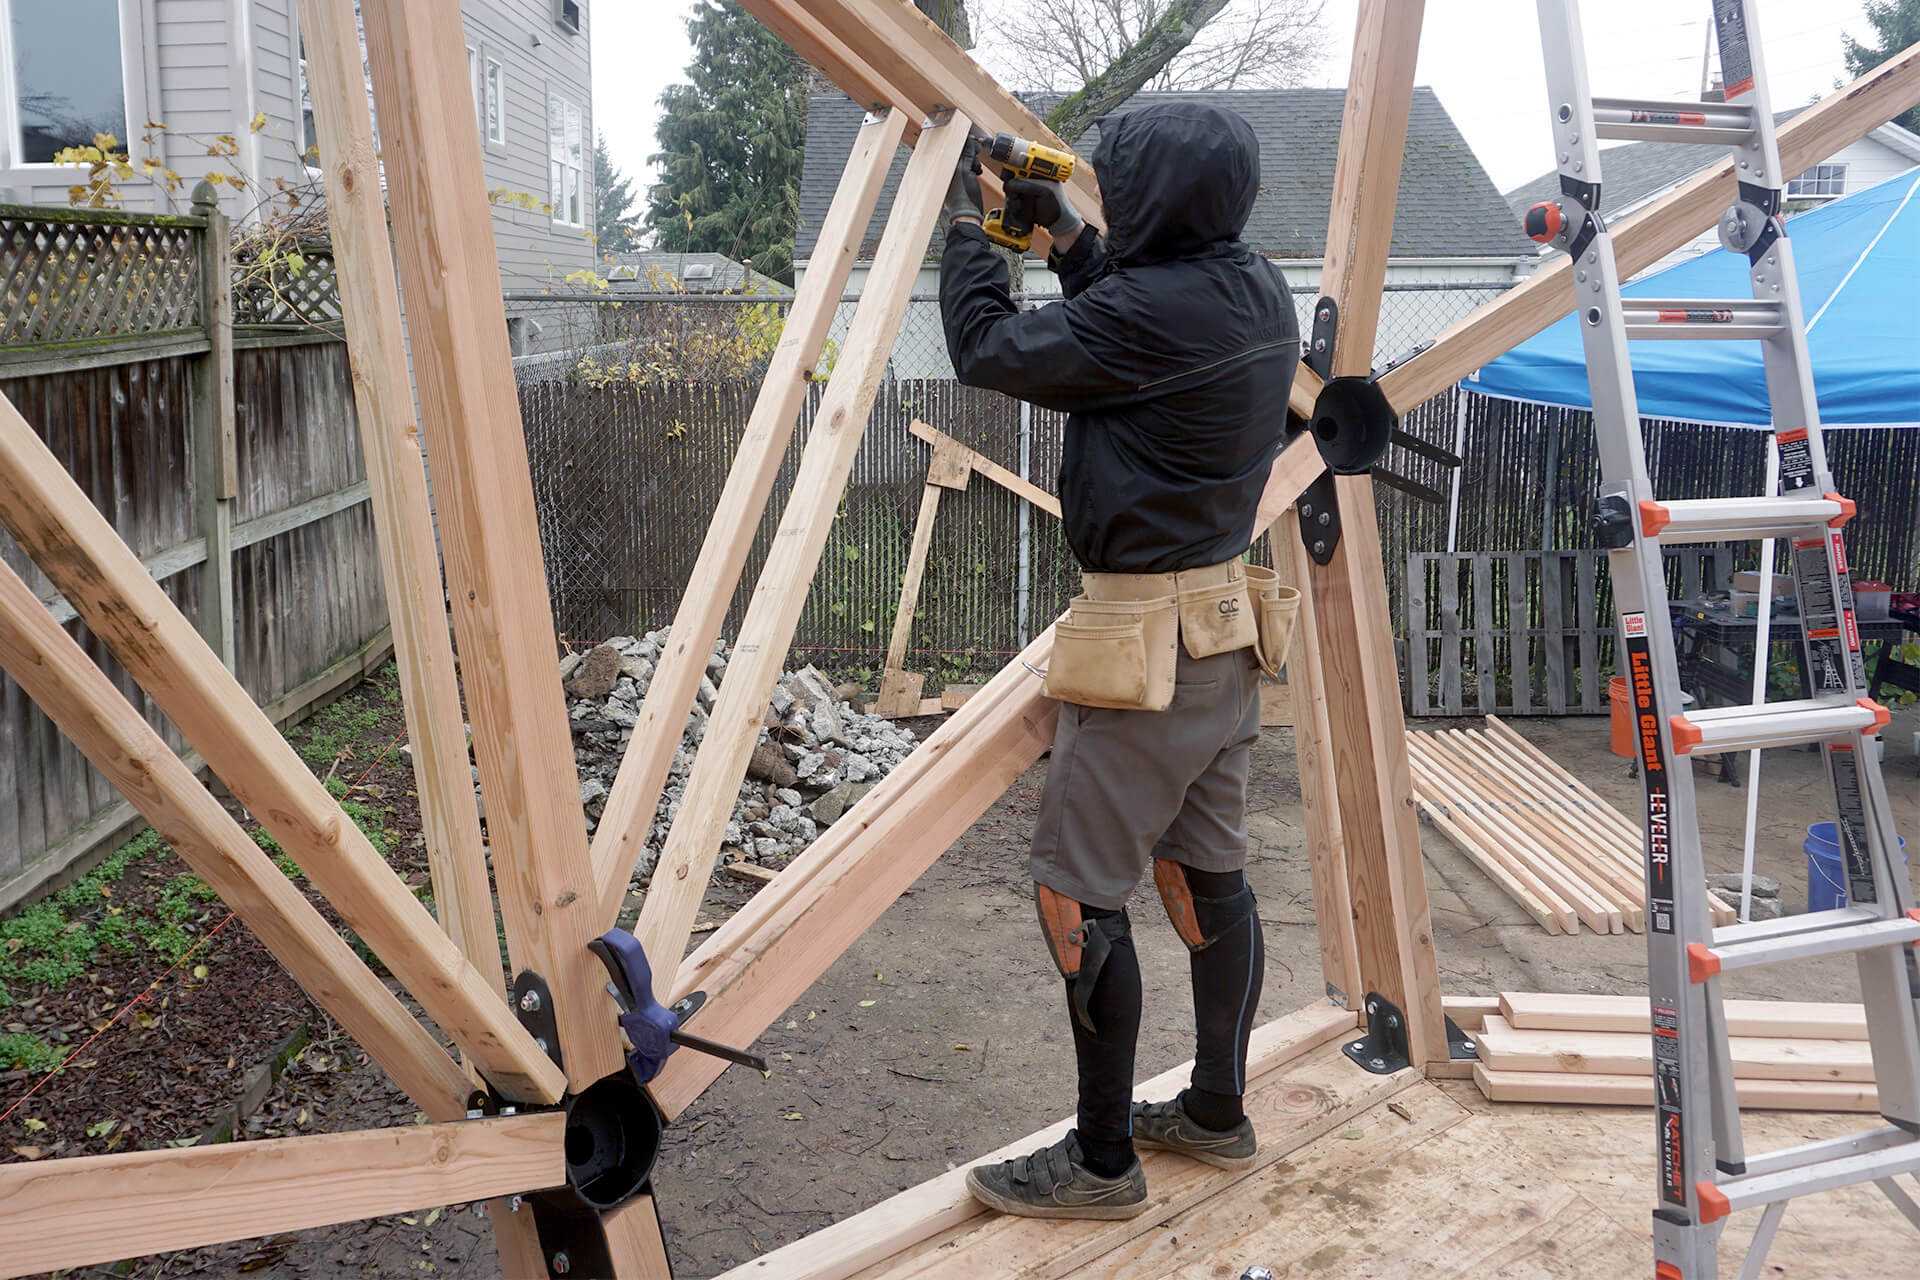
{"x": 215, "y": 460}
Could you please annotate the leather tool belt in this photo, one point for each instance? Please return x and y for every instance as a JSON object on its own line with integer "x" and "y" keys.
{"x": 1117, "y": 647}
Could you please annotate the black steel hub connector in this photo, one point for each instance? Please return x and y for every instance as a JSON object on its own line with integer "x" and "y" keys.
{"x": 1383, "y": 1049}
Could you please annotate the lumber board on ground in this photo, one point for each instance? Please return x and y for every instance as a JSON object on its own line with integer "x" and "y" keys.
{"x": 51, "y": 518}
{"x": 621, "y": 837}
{"x": 988, "y": 468}
{"x": 78, "y": 697}
{"x": 1278, "y": 1050}
{"x": 483, "y": 503}
{"x": 1570, "y": 1088}
{"x": 776, "y": 946}
{"x": 1534, "y": 897}
{"x": 1779, "y": 1019}
{"x": 686, "y": 861}
{"x": 1650, "y": 233}
{"x": 397, "y": 484}
{"x": 1469, "y": 1013}
{"x": 633, "y": 1236}
{"x": 68, "y": 1213}
{"x": 1503, "y": 1048}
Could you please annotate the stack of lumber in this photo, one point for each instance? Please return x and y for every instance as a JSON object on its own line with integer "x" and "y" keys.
{"x": 1559, "y": 850}
{"x": 1597, "y": 1050}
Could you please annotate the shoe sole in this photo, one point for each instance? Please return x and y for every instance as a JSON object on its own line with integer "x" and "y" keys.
{"x": 1214, "y": 1158}
{"x": 1024, "y": 1209}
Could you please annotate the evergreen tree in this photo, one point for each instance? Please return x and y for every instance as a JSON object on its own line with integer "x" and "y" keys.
{"x": 615, "y": 222}
{"x": 731, "y": 144}
{"x": 1897, "y": 22}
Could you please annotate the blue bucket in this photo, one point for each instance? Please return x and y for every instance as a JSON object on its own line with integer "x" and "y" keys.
{"x": 1826, "y": 869}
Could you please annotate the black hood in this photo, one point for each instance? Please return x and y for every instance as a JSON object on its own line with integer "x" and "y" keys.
{"x": 1176, "y": 178}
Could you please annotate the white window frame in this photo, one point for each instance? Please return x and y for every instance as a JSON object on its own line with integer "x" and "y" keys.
{"x": 133, "y": 88}
{"x": 1813, "y": 184}
{"x": 473, "y": 84}
{"x": 493, "y": 94}
{"x": 558, "y": 168}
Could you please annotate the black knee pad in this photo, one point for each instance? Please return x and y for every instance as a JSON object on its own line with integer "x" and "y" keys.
{"x": 1199, "y": 921}
{"x": 1080, "y": 943}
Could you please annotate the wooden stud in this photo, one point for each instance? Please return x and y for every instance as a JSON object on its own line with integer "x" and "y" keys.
{"x": 621, "y": 837}
{"x": 986, "y": 467}
{"x": 76, "y": 695}
{"x": 680, "y": 876}
{"x": 1503, "y": 1048}
{"x": 633, "y": 1236}
{"x": 1539, "y": 901}
{"x": 71, "y": 1213}
{"x": 483, "y": 496}
{"x": 397, "y": 484}
{"x": 899, "y": 688}
{"x": 1652, "y": 232}
{"x": 1568, "y": 1089}
{"x": 1770, "y": 1019}
{"x": 53, "y": 522}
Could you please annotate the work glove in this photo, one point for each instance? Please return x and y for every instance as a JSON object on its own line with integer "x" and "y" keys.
{"x": 963, "y": 191}
{"x": 1051, "y": 206}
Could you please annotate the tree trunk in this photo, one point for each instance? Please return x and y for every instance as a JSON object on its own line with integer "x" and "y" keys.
{"x": 1144, "y": 59}
{"x": 952, "y": 17}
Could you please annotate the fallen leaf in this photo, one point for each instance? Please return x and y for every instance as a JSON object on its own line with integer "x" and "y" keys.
{"x": 200, "y": 972}
{"x": 1352, "y": 1134}
{"x": 868, "y": 1004}
{"x": 963, "y": 1048}
{"x": 412, "y": 1222}
{"x": 792, "y": 1025}
{"x": 434, "y": 1216}
{"x": 182, "y": 1142}
{"x": 792, "y": 1115}
{"x": 101, "y": 1128}
{"x": 878, "y": 976}
{"x": 28, "y": 1153}
{"x": 34, "y": 1126}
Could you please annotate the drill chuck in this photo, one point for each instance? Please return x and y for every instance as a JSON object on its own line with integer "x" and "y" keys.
{"x": 1019, "y": 158}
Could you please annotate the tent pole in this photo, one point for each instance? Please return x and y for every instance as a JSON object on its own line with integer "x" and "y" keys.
{"x": 1459, "y": 448}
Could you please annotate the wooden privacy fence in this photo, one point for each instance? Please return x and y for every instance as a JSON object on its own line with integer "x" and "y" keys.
{"x": 228, "y": 458}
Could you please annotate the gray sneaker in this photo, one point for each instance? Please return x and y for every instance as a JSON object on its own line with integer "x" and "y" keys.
{"x": 1052, "y": 1183}
{"x": 1168, "y": 1127}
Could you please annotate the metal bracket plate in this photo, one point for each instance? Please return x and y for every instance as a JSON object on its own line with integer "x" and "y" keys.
{"x": 1459, "y": 1043}
{"x": 533, "y": 1005}
{"x": 1319, "y": 509}
{"x": 1383, "y": 1049}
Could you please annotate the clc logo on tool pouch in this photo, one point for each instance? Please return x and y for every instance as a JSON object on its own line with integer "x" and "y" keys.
{"x": 1230, "y": 607}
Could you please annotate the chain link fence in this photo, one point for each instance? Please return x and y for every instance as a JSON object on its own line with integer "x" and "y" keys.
{"x": 635, "y": 405}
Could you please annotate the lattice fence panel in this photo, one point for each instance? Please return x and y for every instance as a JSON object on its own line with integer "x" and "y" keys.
{"x": 66, "y": 281}
{"x": 276, "y": 295}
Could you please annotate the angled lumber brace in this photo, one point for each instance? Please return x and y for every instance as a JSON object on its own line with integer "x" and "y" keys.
{"x": 402, "y": 508}
{"x": 1319, "y": 796}
{"x": 680, "y": 877}
{"x": 99, "y": 1209}
{"x": 778, "y": 945}
{"x": 899, "y": 688}
{"x": 1650, "y": 234}
{"x": 1367, "y": 748}
{"x": 622, "y": 835}
{"x": 76, "y": 695}
{"x": 988, "y": 469}
{"x": 53, "y": 521}
{"x": 483, "y": 491}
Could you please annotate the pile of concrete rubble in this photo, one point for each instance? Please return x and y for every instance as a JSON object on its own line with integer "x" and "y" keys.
{"x": 816, "y": 755}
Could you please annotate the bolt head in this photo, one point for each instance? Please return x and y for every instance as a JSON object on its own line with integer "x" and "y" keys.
{"x": 1319, "y": 344}
{"x": 1320, "y": 548}
{"x": 1379, "y": 1062}
{"x": 1306, "y": 509}
{"x": 514, "y": 1203}
{"x": 1566, "y": 111}
{"x": 540, "y": 1043}
{"x": 561, "y": 1263}
{"x": 1325, "y": 518}
{"x": 530, "y": 1002}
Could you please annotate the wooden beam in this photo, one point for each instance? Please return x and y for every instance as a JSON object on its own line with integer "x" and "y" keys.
{"x": 70, "y": 1213}
{"x": 1773, "y": 1019}
{"x": 1637, "y": 1091}
{"x": 990, "y": 469}
{"x": 1651, "y": 233}
{"x": 918, "y": 1213}
{"x": 1367, "y": 744}
{"x": 776, "y": 946}
{"x": 77, "y": 696}
{"x": 490, "y": 536}
{"x": 397, "y": 483}
{"x": 53, "y": 521}
{"x": 634, "y": 1241}
{"x": 621, "y": 837}
{"x": 900, "y": 690}
{"x": 1503, "y": 1048}
{"x": 686, "y": 862}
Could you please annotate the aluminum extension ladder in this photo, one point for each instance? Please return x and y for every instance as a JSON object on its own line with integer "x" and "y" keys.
{"x": 1704, "y": 1170}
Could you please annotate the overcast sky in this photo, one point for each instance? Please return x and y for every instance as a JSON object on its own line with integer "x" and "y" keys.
{"x": 1481, "y": 56}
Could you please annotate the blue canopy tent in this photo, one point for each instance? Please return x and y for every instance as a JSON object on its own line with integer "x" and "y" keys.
{"x": 1859, "y": 266}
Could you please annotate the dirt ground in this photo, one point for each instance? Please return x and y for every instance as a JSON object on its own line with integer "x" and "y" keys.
{"x": 941, "y": 1033}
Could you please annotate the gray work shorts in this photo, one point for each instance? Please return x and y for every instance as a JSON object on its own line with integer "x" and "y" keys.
{"x": 1124, "y": 786}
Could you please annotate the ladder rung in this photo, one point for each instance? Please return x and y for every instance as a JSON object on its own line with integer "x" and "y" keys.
{"x": 1774, "y": 724}
{"x": 1741, "y": 519}
{"x": 1702, "y": 319}
{"x": 1650, "y": 120}
{"x": 1787, "y": 926}
{"x": 1704, "y": 962}
{"x": 1852, "y": 1144}
{"x": 1717, "y": 1200}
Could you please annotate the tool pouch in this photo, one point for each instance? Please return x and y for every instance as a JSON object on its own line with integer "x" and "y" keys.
{"x": 1275, "y": 607}
{"x": 1217, "y": 619}
{"x": 1119, "y": 654}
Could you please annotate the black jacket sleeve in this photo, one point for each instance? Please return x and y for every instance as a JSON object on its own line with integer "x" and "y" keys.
{"x": 1081, "y": 265}
{"x": 1050, "y": 357}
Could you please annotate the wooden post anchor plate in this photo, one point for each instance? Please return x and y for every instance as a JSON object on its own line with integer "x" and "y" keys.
{"x": 533, "y": 1005}
{"x": 1383, "y": 1049}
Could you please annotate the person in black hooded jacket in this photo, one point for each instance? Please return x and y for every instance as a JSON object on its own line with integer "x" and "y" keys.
{"x": 1172, "y": 355}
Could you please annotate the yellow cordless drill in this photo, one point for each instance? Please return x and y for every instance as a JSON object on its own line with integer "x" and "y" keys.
{"x": 1012, "y": 226}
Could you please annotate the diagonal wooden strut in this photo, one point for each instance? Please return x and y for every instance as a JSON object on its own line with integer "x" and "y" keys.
{"x": 99, "y": 1209}
{"x": 483, "y": 491}
{"x": 76, "y": 695}
{"x": 402, "y": 507}
{"x": 899, "y": 688}
{"x": 53, "y": 521}
{"x": 776, "y": 946}
{"x": 622, "y": 835}
{"x": 680, "y": 877}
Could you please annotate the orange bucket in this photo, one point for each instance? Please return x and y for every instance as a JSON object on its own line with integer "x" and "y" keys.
{"x": 1622, "y": 717}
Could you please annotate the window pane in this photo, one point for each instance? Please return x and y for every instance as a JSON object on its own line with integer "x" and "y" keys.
{"x": 68, "y": 84}
{"x": 556, "y": 138}
{"x": 496, "y": 129}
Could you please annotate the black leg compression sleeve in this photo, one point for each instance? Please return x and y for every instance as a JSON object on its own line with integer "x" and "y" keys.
{"x": 1227, "y": 976}
{"x": 1105, "y": 1054}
